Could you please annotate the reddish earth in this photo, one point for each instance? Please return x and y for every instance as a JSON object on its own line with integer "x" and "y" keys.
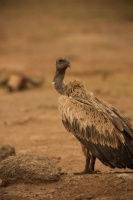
{"x": 97, "y": 38}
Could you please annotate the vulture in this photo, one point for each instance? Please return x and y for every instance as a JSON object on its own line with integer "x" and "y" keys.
{"x": 102, "y": 131}
{"x": 14, "y": 80}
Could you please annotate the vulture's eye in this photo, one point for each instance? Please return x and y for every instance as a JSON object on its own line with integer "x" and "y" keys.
{"x": 61, "y": 61}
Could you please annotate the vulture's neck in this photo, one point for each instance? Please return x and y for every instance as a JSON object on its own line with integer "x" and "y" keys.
{"x": 58, "y": 81}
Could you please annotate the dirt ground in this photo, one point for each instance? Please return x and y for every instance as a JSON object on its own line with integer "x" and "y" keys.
{"x": 97, "y": 37}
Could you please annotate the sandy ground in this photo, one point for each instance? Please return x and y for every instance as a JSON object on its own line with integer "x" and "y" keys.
{"x": 98, "y": 40}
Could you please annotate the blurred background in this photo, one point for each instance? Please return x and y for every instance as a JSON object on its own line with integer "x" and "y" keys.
{"x": 95, "y": 35}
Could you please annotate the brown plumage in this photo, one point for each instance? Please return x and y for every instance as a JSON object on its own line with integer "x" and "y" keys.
{"x": 14, "y": 80}
{"x": 102, "y": 131}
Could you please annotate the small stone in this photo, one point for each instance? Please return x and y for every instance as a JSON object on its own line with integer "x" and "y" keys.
{"x": 51, "y": 191}
{"x": 79, "y": 197}
{"x": 70, "y": 174}
{"x": 88, "y": 198}
{"x": 50, "y": 196}
{"x": 129, "y": 189}
{"x": 43, "y": 188}
{"x": 6, "y": 151}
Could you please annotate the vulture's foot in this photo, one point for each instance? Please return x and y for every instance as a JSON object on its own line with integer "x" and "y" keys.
{"x": 87, "y": 172}
{"x": 95, "y": 172}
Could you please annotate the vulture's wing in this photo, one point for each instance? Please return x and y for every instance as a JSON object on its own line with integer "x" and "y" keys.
{"x": 100, "y": 128}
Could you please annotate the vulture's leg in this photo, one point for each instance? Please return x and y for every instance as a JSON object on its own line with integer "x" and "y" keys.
{"x": 86, "y": 169}
{"x": 92, "y": 163}
{"x": 87, "y": 162}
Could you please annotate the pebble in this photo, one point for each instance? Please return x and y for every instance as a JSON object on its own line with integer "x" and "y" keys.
{"x": 70, "y": 174}
{"x": 51, "y": 191}
{"x": 79, "y": 197}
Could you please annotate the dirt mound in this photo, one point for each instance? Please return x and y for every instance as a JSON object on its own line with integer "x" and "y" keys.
{"x": 28, "y": 169}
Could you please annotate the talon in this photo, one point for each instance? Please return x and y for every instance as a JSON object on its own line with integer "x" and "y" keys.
{"x": 98, "y": 172}
{"x": 95, "y": 172}
{"x": 87, "y": 172}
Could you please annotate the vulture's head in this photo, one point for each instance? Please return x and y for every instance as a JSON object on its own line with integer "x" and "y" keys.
{"x": 62, "y": 64}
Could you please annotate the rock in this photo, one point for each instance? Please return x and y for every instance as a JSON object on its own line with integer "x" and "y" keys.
{"x": 6, "y": 151}
{"x": 79, "y": 197}
{"x": 28, "y": 169}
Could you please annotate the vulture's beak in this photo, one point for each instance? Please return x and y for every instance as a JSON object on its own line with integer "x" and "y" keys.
{"x": 69, "y": 64}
